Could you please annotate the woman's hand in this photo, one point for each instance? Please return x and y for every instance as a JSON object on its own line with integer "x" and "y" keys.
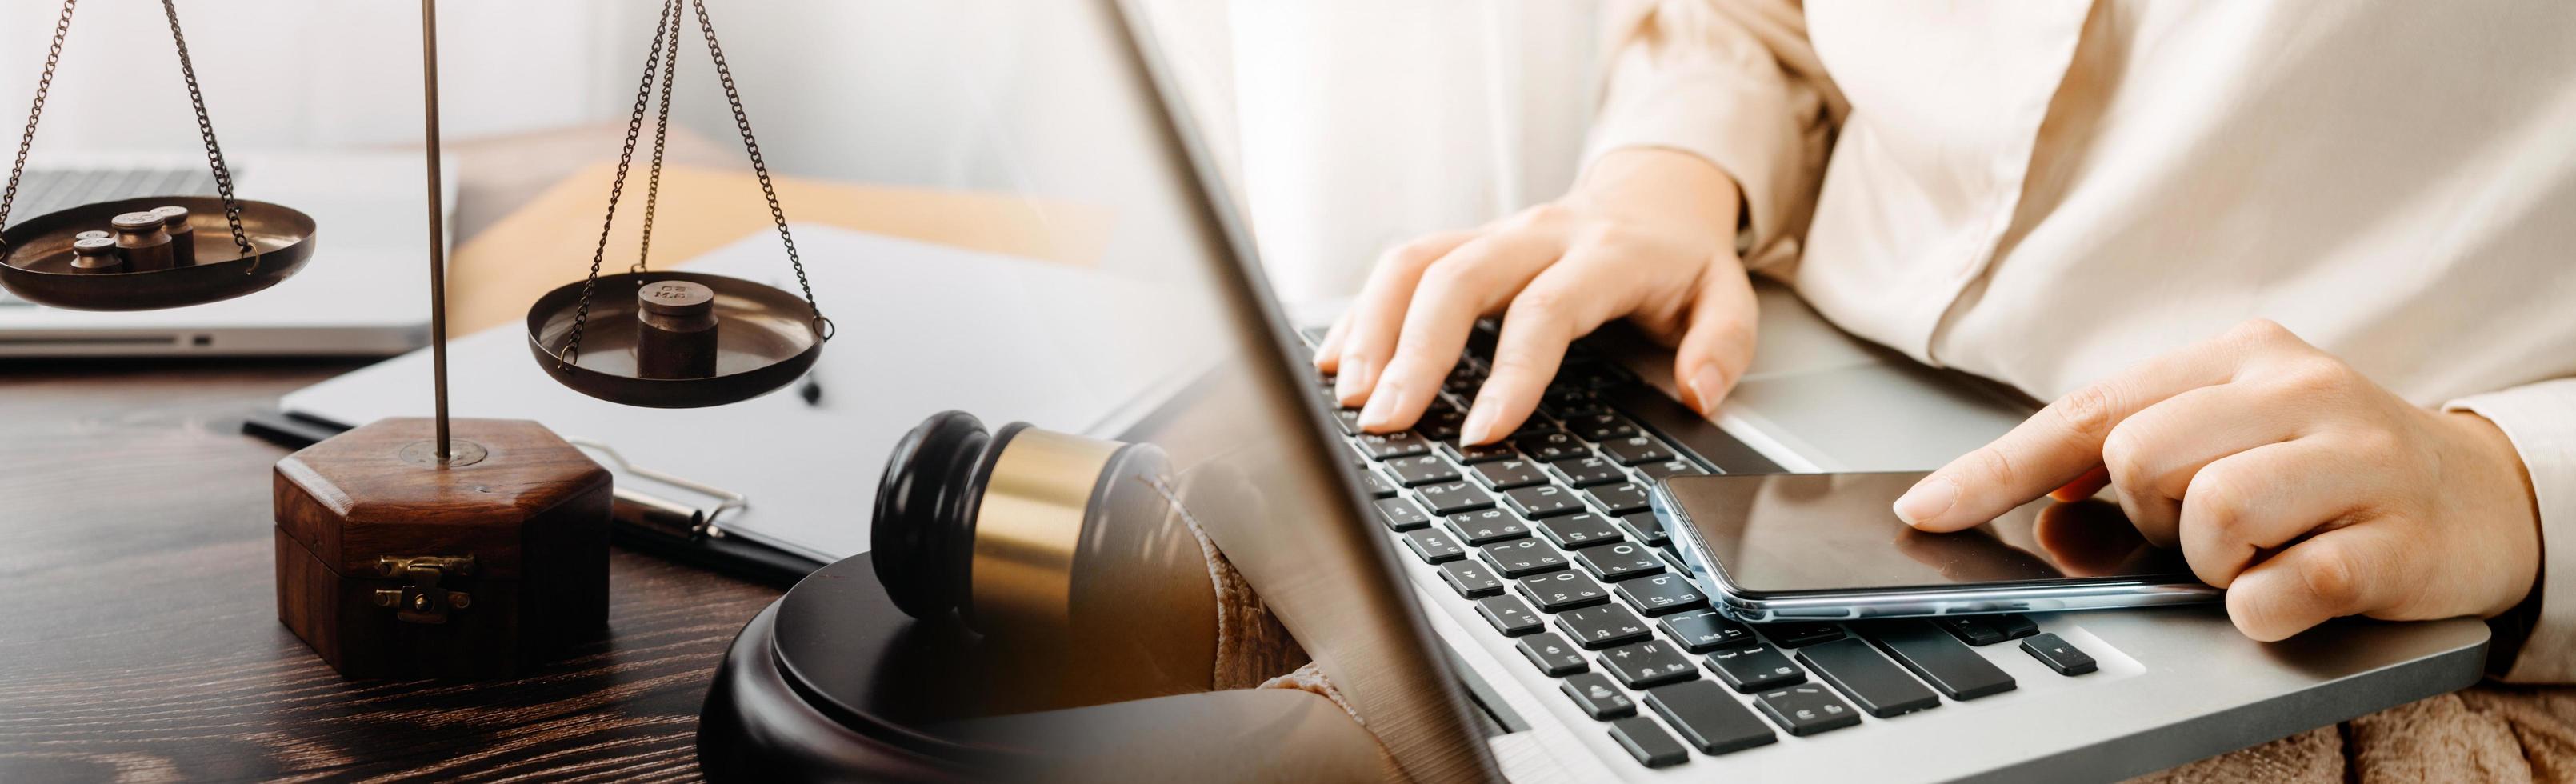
{"x": 2287, "y": 477}
{"x": 1648, "y": 234}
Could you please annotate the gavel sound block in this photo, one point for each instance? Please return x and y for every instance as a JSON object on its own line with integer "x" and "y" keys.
{"x": 390, "y": 564}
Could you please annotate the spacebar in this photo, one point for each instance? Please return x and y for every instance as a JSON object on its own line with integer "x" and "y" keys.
{"x": 1939, "y": 659}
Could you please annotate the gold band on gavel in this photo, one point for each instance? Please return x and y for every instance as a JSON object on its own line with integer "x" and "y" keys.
{"x": 1029, "y": 525}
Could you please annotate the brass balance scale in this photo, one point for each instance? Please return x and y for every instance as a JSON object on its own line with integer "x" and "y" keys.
{"x": 235, "y": 247}
{"x": 419, "y": 546}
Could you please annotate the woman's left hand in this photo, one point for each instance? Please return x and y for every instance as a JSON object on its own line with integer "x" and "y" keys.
{"x": 2286, "y": 476}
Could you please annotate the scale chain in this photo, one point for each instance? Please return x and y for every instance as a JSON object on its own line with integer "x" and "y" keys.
{"x": 206, "y": 131}
{"x": 617, "y": 186}
{"x": 196, "y": 99}
{"x": 44, "y": 86}
{"x": 661, "y": 135}
{"x": 823, "y": 327}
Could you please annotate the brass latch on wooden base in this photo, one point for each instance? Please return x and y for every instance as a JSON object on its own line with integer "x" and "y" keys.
{"x": 423, "y": 601}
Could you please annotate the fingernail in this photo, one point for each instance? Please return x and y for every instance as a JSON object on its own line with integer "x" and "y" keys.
{"x": 1380, "y": 411}
{"x": 1706, "y": 386}
{"x": 1927, "y": 500}
{"x": 1480, "y": 425}
{"x": 1352, "y": 382}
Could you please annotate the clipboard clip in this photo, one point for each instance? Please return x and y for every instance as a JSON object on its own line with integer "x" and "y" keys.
{"x": 663, "y": 514}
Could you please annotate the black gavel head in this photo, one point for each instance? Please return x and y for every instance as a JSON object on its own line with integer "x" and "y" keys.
{"x": 922, "y": 541}
{"x": 989, "y": 525}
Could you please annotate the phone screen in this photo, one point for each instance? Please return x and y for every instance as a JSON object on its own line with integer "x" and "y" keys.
{"x": 1805, "y": 533}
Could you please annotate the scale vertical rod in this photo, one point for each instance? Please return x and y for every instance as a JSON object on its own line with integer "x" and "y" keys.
{"x": 437, "y": 223}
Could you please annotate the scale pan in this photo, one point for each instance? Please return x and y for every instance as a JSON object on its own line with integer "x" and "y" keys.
{"x": 39, "y": 264}
{"x": 765, "y": 339}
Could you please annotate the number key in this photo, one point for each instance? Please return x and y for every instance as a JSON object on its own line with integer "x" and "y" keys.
{"x": 1400, "y": 515}
{"x": 1420, "y": 470}
{"x": 1491, "y": 525}
{"x": 1510, "y": 474}
{"x": 1523, "y": 557}
{"x": 1635, "y": 450}
{"x": 1563, "y": 591}
{"x": 1615, "y": 562}
{"x": 1662, "y": 594}
{"x": 1542, "y": 501}
{"x": 1448, "y": 498}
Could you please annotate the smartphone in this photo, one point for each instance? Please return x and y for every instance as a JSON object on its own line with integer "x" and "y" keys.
{"x": 1781, "y": 547}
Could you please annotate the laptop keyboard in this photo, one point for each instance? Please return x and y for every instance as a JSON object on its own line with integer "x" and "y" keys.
{"x": 1548, "y": 534}
{"x": 43, "y": 191}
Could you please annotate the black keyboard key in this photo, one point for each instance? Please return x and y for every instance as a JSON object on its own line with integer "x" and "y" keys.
{"x": 1800, "y": 635}
{"x": 1650, "y": 744}
{"x": 1806, "y": 710}
{"x": 1619, "y": 499}
{"x": 1450, "y": 498}
{"x": 1400, "y": 515}
{"x": 1509, "y": 615}
{"x": 1359, "y": 457}
{"x": 1620, "y": 561}
{"x": 1571, "y": 403}
{"x": 1601, "y": 427}
{"x": 1471, "y": 455}
{"x": 1376, "y": 485}
{"x": 1754, "y": 668}
{"x": 1472, "y": 579}
{"x": 1646, "y": 527}
{"x": 1593, "y": 693}
{"x": 1563, "y": 591}
{"x": 1701, "y": 631}
{"x": 1589, "y": 471}
{"x": 1433, "y": 546}
{"x": 1523, "y": 557}
{"x": 1649, "y": 663}
{"x": 2059, "y": 654}
{"x": 1549, "y": 445}
{"x": 1420, "y": 470}
{"x": 1662, "y": 594}
{"x": 1553, "y": 654}
{"x": 1600, "y": 627}
{"x": 1478, "y": 529}
{"x": 1708, "y": 718}
{"x": 1669, "y": 468}
{"x": 1870, "y": 680}
{"x": 1987, "y": 629}
{"x": 1970, "y": 629}
{"x": 1542, "y": 501}
{"x": 1509, "y": 474}
{"x": 1950, "y": 666}
{"x": 1348, "y": 419}
{"x": 1440, "y": 424}
{"x": 1636, "y": 450}
{"x": 1577, "y": 531}
{"x": 1381, "y": 446}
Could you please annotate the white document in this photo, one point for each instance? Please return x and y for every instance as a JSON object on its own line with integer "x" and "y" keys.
{"x": 922, "y": 328}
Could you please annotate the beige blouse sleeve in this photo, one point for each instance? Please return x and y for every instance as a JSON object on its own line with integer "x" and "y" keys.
{"x": 2540, "y": 420}
{"x": 1735, "y": 82}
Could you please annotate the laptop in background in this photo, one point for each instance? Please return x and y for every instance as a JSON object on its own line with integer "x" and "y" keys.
{"x": 360, "y": 296}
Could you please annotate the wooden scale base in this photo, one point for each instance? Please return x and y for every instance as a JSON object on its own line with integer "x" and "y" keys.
{"x": 391, "y": 564}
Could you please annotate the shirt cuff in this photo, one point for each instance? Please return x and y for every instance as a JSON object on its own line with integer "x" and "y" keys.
{"x": 2540, "y": 420}
{"x": 1738, "y": 111}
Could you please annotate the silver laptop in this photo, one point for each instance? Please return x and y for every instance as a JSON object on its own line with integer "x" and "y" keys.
{"x": 360, "y": 295}
{"x": 1544, "y": 588}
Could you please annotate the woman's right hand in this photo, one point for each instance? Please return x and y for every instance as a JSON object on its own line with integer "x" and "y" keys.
{"x": 1648, "y": 234}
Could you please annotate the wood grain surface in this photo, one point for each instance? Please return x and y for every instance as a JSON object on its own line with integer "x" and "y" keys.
{"x": 138, "y": 629}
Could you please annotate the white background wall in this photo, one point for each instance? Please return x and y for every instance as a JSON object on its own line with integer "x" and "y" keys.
{"x": 1353, "y": 123}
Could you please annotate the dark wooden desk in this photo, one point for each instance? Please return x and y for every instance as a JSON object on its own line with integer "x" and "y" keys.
{"x": 138, "y": 624}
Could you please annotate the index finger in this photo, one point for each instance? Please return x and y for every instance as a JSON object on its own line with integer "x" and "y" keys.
{"x": 2057, "y": 445}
